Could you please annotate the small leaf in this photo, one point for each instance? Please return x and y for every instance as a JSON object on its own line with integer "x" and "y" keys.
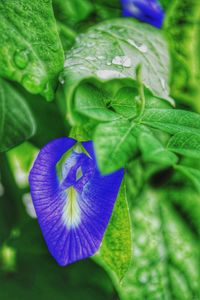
{"x": 114, "y": 144}
{"x": 191, "y": 173}
{"x": 125, "y": 101}
{"x": 172, "y": 120}
{"x": 30, "y": 48}
{"x": 116, "y": 249}
{"x": 154, "y": 151}
{"x": 185, "y": 144}
{"x": 90, "y": 102}
{"x": 16, "y": 121}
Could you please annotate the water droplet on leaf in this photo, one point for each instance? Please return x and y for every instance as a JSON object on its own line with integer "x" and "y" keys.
{"x": 21, "y": 58}
{"x": 90, "y": 44}
{"x": 124, "y": 61}
{"x": 162, "y": 81}
{"x": 141, "y": 47}
{"x": 109, "y": 74}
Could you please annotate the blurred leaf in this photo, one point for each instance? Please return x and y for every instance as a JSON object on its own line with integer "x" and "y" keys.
{"x": 114, "y": 49}
{"x": 154, "y": 151}
{"x": 116, "y": 249}
{"x": 182, "y": 26}
{"x": 30, "y": 48}
{"x": 185, "y": 144}
{"x": 50, "y": 122}
{"x": 21, "y": 159}
{"x": 114, "y": 143}
{"x": 191, "y": 173}
{"x": 165, "y": 4}
{"x": 16, "y": 121}
{"x": 166, "y": 253}
{"x": 91, "y": 102}
{"x": 72, "y": 12}
{"x": 172, "y": 120}
{"x": 187, "y": 202}
{"x": 67, "y": 35}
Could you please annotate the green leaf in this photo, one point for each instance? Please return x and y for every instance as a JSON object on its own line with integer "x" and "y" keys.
{"x": 191, "y": 173}
{"x": 116, "y": 249}
{"x": 30, "y": 48}
{"x": 172, "y": 120}
{"x": 166, "y": 253}
{"x": 183, "y": 31}
{"x": 166, "y": 4}
{"x": 16, "y": 121}
{"x": 185, "y": 144}
{"x": 91, "y": 102}
{"x": 154, "y": 151}
{"x": 113, "y": 50}
{"x": 114, "y": 144}
{"x": 187, "y": 200}
{"x": 72, "y": 12}
{"x": 125, "y": 102}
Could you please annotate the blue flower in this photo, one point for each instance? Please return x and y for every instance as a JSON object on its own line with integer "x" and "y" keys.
{"x": 148, "y": 11}
{"x": 73, "y": 201}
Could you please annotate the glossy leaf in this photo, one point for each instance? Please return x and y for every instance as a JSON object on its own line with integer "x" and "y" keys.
{"x": 185, "y": 144}
{"x": 30, "y": 48}
{"x": 114, "y": 144}
{"x": 114, "y": 49}
{"x": 154, "y": 151}
{"x": 172, "y": 120}
{"x": 91, "y": 102}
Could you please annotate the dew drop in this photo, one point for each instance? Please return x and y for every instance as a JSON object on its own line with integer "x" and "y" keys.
{"x": 90, "y": 44}
{"x": 124, "y": 61}
{"x": 101, "y": 57}
{"x": 141, "y": 47}
{"x": 109, "y": 74}
{"x": 162, "y": 81}
{"x": 91, "y": 58}
{"x": 21, "y": 58}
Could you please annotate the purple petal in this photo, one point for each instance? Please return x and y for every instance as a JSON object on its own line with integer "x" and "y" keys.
{"x": 148, "y": 11}
{"x": 73, "y": 210}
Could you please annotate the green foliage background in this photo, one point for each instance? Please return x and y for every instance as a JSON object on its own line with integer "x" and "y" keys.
{"x": 151, "y": 246}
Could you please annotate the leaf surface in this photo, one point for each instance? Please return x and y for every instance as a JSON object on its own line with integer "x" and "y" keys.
{"x": 113, "y": 50}
{"x": 30, "y": 48}
{"x": 116, "y": 250}
{"x": 114, "y": 143}
{"x": 16, "y": 120}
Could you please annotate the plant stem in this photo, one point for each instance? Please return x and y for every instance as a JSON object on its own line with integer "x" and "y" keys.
{"x": 140, "y": 90}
